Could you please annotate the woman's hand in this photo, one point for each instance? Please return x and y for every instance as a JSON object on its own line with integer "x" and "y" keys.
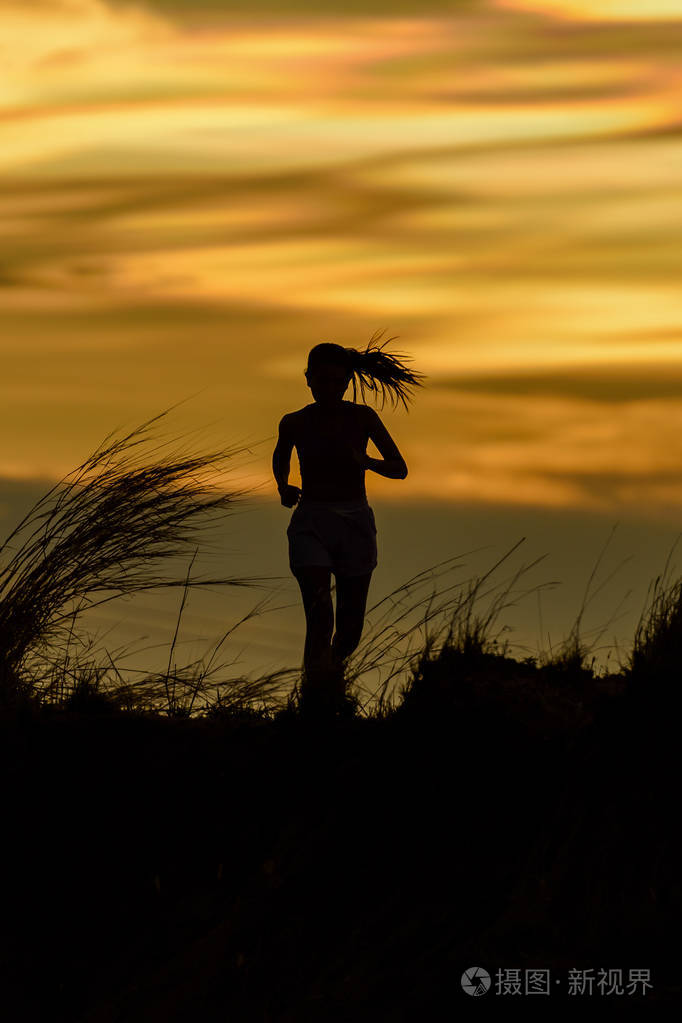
{"x": 289, "y": 495}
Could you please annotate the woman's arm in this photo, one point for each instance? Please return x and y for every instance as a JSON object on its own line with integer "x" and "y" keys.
{"x": 392, "y": 465}
{"x": 281, "y": 464}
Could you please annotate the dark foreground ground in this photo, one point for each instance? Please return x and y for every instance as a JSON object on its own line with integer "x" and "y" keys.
{"x": 172, "y": 870}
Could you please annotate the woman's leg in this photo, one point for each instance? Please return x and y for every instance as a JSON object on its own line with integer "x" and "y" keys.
{"x": 314, "y": 581}
{"x": 351, "y": 601}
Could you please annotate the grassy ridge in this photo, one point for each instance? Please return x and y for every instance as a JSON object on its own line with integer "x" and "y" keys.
{"x": 273, "y": 869}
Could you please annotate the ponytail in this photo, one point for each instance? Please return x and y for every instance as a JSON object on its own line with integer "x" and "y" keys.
{"x": 371, "y": 368}
{"x": 378, "y": 370}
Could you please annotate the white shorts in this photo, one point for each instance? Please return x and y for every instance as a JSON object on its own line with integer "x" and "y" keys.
{"x": 339, "y": 535}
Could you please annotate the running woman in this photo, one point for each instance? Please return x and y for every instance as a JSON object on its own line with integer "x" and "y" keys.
{"x": 332, "y": 528}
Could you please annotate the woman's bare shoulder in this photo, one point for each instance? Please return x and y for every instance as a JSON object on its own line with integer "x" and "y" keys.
{"x": 297, "y": 422}
{"x": 290, "y": 423}
{"x": 361, "y": 410}
{"x": 297, "y": 414}
{"x": 368, "y": 414}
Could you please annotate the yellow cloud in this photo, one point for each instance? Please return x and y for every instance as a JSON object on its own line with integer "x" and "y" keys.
{"x": 600, "y": 10}
{"x": 550, "y": 452}
{"x": 504, "y": 200}
{"x": 70, "y": 39}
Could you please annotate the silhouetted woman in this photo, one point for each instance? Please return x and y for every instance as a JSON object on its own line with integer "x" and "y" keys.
{"x": 332, "y": 529}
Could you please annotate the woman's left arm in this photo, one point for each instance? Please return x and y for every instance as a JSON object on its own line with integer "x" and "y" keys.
{"x": 392, "y": 465}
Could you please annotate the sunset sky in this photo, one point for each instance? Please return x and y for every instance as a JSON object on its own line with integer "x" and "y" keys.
{"x": 191, "y": 198}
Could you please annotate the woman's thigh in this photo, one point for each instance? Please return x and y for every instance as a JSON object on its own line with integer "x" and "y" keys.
{"x": 351, "y": 593}
{"x": 315, "y": 584}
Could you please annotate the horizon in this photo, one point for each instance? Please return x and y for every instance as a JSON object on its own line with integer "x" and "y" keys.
{"x": 626, "y": 556}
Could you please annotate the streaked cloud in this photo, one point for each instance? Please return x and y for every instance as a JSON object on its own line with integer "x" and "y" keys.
{"x": 600, "y": 10}
{"x": 190, "y": 205}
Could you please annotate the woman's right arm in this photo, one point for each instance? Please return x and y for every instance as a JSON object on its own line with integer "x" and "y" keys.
{"x": 281, "y": 463}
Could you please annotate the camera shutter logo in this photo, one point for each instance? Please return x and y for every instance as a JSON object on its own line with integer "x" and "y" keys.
{"x": 475, "y": 981}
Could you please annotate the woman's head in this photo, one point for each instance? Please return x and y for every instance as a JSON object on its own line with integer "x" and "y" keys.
{"x": 329, "y": 372}
{"x": 331, "y": 368}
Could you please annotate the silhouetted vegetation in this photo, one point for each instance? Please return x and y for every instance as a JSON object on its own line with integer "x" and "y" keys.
{"x": 191, "y": 847}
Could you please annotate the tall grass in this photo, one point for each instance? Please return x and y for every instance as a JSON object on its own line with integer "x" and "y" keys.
{"x": 656, "y": 656}
{"x": 410, "y": 626}
{"x": 570, "y": 659}
{"x": 411, "y": 630}
{"x": 102, "y": 532}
